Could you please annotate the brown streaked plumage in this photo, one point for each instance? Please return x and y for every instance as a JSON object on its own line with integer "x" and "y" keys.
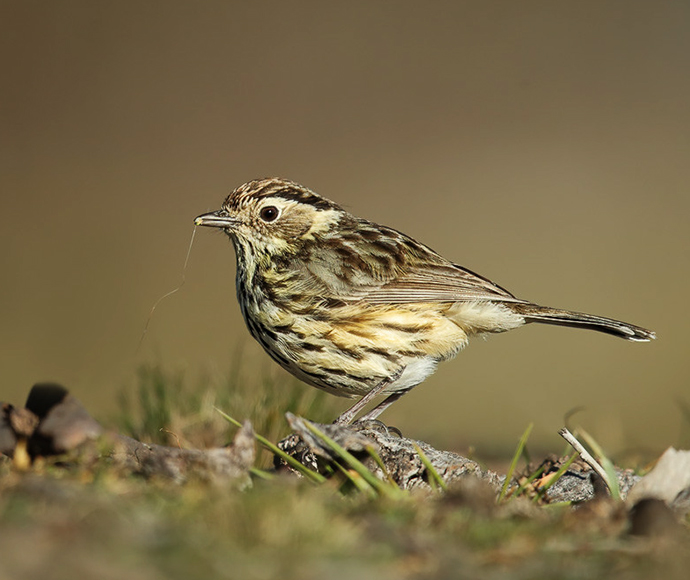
{"x": 356, "y": 308}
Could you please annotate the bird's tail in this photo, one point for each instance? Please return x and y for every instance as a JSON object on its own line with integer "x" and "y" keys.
{"x": 546, "y": 315}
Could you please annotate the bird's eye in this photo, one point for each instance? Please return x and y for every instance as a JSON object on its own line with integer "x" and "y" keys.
{"x": 269, "y": 213}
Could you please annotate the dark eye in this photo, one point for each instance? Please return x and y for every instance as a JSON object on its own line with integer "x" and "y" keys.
{"x": 269, "y": 213}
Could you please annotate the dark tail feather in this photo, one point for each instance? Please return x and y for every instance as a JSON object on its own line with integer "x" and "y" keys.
{"x": 546, "y": 315}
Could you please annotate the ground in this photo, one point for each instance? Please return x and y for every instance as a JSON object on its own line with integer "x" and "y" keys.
{"x": 71, "y": 516}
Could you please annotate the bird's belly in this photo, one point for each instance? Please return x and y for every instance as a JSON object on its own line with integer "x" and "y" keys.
{"x": 349, "y": 350}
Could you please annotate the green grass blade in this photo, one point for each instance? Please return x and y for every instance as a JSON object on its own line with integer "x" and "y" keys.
{"x": 435, "y": 478}
{"x": 382, "y": 465}
{"x": 354, "y": 463}
{"x": 559, "y": 504}
{"x": 520, "y": 490}
{"x": 261, "y": 474}
{"x": 356, "y": 480}
{"x": 516, "y": 457}
{"x": 291, "y": 461}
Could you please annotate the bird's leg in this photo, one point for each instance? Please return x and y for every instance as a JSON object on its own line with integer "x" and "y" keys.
{"x": 382, "y": 406}
{"x": 346, "y": 417}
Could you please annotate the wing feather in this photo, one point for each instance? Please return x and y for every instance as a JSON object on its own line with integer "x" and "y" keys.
{"x": 438, "y": 283}
{"x": 379, "y": 265}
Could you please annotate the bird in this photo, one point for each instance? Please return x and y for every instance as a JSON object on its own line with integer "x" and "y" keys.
{"x": 360, "y": 309}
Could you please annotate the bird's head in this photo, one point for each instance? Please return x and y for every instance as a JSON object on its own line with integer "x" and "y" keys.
{"x": 273, "y": 217}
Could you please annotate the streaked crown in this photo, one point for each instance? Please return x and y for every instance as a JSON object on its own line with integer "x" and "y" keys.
{"x": 274, "y": 216}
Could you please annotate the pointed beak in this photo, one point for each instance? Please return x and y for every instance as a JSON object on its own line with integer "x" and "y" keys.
{"x": 215, "y": 219}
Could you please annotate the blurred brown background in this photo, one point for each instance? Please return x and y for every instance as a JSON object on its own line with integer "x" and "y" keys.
{"x": 544, "y": 145}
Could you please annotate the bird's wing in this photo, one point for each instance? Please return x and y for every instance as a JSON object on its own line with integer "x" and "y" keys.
{"x": 379, "y": 265}
{"x": 431, "y": 282}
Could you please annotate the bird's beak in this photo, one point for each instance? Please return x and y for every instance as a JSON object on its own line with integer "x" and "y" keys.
{"x": 215, "y": 219}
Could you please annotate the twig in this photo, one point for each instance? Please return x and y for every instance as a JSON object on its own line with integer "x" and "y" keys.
{"x": 586, "y": 457}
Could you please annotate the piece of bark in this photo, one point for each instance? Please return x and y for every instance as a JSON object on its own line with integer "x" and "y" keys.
{"x": 405, "y": 467}
{"x": 181, "y": 465}
{"x": 584, "y": 485}
{"x": 23, "y": 422}
{"x": 65, "y": 427}
{"x": 399, "y": 456}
